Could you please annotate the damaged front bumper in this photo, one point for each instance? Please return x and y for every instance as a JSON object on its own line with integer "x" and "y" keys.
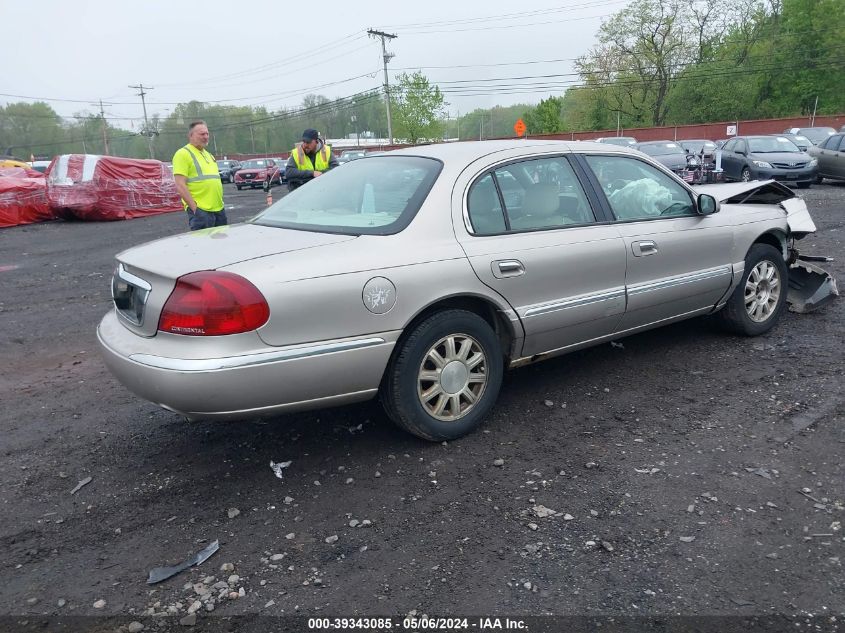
{"x": 810, "y": 286}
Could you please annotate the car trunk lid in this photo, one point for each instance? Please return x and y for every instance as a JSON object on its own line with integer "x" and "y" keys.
{"x": 146, "y": 275}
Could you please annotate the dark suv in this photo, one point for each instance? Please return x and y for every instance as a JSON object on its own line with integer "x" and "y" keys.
{"x": 227, "y": 169}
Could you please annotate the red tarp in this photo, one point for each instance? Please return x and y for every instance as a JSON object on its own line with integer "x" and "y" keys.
{"x": 19, "y": 172}
{"x": 88, "y": 187}
{"x": 23, "y": 201}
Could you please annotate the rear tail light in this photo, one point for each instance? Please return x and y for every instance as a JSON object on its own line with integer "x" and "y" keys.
{"x": 213, "y": 303}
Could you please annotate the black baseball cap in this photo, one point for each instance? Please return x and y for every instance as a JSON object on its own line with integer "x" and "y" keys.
{"x": 309, "y": 135}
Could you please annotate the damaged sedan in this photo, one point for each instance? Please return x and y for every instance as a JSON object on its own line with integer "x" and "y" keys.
{"x": 420, "y": 276}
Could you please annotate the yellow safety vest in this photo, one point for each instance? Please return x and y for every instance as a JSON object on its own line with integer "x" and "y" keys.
{"x": 321, "y": 159}
{"x": 206, "y": 187}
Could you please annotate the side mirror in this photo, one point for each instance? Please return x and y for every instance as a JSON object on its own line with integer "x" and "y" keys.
{"x": 707, "y": 205}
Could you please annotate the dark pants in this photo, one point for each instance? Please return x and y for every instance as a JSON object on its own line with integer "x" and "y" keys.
{"x": 200, "y": 219}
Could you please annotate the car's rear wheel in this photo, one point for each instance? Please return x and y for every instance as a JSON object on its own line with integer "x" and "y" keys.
{"x": 444, "y": 376}
{"x": 758, "y": 301}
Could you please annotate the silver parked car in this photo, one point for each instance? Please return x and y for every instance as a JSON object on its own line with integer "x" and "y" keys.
{"x": 830, "y": 154}
{"x": 421, "y": 275}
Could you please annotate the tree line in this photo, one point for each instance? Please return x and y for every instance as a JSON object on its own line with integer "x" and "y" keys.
{"x": 657, "y": 62}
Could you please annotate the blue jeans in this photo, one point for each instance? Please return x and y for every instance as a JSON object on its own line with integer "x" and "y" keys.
{"x": 200, "y": 219}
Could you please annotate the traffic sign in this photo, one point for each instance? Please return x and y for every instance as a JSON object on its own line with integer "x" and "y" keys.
{"x": 519, "y": 127}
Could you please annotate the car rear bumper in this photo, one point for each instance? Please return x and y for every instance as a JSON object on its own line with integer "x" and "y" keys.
{"x": 257, "y": 383}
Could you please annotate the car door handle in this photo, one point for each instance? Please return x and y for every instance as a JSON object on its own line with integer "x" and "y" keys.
{"x": 644, "y": 248}
{"x": 508, "y": 268}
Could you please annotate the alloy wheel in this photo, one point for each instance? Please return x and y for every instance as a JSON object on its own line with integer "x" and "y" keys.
{"x": 762, "y": 291}
{"x": 452, "y": 377}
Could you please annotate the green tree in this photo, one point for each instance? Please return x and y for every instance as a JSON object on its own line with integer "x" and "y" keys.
{"x": 546, "y": 117}
{"x": 417, "y": 108}
{"x": 30, "y": 128}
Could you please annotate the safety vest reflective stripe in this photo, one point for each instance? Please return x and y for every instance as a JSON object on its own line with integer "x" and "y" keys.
{"x": 321, "y": 159}
{"x": 200, "y": 175}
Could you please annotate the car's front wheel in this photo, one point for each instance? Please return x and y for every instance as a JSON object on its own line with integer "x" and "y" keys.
{"x": 746, "y": 174}
{"x": 444, "y": 376}
{"x": 757, "y": 302}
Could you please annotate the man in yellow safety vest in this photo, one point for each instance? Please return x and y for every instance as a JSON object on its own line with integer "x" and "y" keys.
{"x": 308, "y": 160}
{"x": 198, "y": 180}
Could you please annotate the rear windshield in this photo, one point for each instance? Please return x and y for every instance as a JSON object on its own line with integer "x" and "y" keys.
{"x": 697, "y": 146}
{"x": 661, "y": 149}
{"x": 625, "y": 141}
{"x": 817, "y": 134}
{"x": 375, "y": 196}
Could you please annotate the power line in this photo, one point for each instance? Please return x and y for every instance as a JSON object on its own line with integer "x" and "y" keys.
{"x": 507, "y": 16}
{"x": 258, "y": 69}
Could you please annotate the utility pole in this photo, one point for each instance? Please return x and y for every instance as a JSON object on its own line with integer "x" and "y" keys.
{"x": 387, "y": 57}
{"x": 105, "y": 129}
{"x": 149, "y": 133}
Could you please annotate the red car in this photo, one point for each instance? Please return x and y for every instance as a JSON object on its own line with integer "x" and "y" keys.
{"x": 254, "y": 172}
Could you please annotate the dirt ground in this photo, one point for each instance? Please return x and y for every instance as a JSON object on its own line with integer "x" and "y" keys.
{"x": 690, "y": 474}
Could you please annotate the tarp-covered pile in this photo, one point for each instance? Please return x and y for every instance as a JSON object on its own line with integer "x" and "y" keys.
{"x": 23, "y": 197}
{"x": 88, "y": 187}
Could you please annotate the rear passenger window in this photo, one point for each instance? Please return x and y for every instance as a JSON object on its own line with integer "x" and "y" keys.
{"x": 485, "y": 211}
{"x": 538, "y": 194}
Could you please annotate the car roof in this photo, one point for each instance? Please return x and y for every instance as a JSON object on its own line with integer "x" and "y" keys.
{"x": 471, "y": 150}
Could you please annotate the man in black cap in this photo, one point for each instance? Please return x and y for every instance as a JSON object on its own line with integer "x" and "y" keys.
{"x": 308, "y": 160}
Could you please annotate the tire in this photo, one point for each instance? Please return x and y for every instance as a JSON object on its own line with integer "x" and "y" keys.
{"x": 746, "y": 175}
{"x": 745, "y": 313}
{"x": 464, "y": 397}
{"x": 239, "y": 187}
{"x": 805, "y": 185}
{"x": 819, "y": 180}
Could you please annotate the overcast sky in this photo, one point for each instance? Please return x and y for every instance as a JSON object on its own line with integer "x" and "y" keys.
{"x": 274, "y": 53}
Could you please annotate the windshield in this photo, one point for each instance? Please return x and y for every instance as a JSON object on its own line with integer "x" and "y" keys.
{"x": 661, "y": 149}
{"x": 771, "y": 144}
{"x": 376, "y": 196}
{"x": 254, "y": 164}
{"x": 697, "y": 146}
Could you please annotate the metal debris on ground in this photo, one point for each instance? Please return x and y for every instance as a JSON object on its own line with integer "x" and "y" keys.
{"x": 617, "y": 345}
{"x": 163, "y": 573}
{"x": 760, "y": 471}
{"x": 82, "y": 482}
{"x": 277, "y": 467}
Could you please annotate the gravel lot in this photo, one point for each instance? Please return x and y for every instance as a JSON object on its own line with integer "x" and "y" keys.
{"x": 689, "y": 473}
